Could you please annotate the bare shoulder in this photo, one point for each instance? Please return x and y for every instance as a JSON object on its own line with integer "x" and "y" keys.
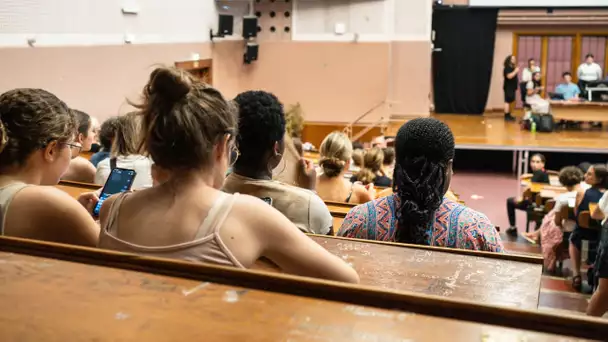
{"x": 80, "y": 170}
{"x": 43, "y": 198}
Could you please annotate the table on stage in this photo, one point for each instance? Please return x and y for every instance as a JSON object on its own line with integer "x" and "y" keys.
{"x": 580, "y": 111}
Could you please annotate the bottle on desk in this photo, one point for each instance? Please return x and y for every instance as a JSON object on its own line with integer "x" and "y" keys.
{"x": 533, "y": 127}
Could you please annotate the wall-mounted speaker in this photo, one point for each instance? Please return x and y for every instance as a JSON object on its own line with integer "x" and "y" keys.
{"x": 250, "y": 27}
{"x": 226, "y": 25}
{"x": 251, "y": 53}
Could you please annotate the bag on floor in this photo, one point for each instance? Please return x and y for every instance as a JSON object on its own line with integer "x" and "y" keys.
{"x": 545, "y": 123}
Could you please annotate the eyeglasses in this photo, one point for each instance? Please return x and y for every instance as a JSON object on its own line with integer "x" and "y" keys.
{"x": 74, "y": 149}
{"x": 234, "y": 154}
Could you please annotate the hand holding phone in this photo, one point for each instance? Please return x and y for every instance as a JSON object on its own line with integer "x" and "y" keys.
{"x": 120, "y": 180}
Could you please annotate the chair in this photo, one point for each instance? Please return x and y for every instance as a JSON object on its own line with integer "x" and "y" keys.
{"x": 535, "y": 211}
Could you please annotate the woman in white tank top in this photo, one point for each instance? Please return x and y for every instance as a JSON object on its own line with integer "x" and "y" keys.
{"x": 36, "y": 145}
{"x": 188, "y": 131}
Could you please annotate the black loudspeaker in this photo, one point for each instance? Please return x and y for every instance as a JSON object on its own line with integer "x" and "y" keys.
{"x": 250, "y": 27}
{"x": 251, "y": 53}
{"x": 226, "y": 25}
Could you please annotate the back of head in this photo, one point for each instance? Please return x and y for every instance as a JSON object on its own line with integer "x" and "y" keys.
{"x": 182, "y": 120}
{"x": 601, "y": 175}
{"x": 127, "y": 135}
{"x": 372, "y": 163}
{"x": 336, "y": 150}
{"x": 424, "y": 148}
{"x": 107, "y": 132}
{"x": 261, "y": 125}
{"x": 30, "y": 120}
{"x": 389, "y": 155}
{"x": 570, "y": 176}
{"x": 358, "y": 157}
{"x": 83, "y": 122}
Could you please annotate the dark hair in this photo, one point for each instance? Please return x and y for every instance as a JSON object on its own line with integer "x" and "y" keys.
{"x": 527, "y": 106}
{"x": 373, "y": 159}
{"x": 183, "y": 119}
{"x": 357, "y": 145}
{"x": 589, "y": 55}
{"x": 261, "y": 124}
{"x": 567, "y": 73}
{"x": 423, "y": 147}
{"x": 584, "y": 166}
{"x": 83, "y": 122}
{"x": 540, "y": 156}
{"x": 570, "y": 176}
{"x": 29, "y": 120}
{"x": 389, "y": 155}
{"x": 530, "y": 60}
{"x": 507, "y": 62}
{"x": 601, "y": 174}
{"x": 107, "y": 132}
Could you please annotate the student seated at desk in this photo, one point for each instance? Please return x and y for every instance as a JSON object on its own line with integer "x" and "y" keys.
{"x": 261, "y": 144}
{"x": 189, "y": 129}
{"x": 388, "y": 164}
{"x": 81, "y": 170}
{"x": 598, "y": 305}
{"x": 551, "y": 231}
{"x": 539, "y": 175}
{"x": 125, "y": 153}
{"x": 36, "y": 146}
{"x": 371, "y": 170}
{"x": 418, "y": 212}
{"x": 568, "y": 90}
{"x": 106, "y": 136}
{"x": 597, "y": 177}
{"x": 336, "y": 151}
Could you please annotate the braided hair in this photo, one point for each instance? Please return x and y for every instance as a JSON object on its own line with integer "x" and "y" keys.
{"x": 424, "y": 147}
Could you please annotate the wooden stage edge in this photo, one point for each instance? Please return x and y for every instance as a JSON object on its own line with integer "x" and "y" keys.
{"x": 486, "y": 132}
{"x": 570, "y": 325}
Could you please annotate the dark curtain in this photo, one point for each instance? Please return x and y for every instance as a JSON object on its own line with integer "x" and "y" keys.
{"x": 463, "y": 68}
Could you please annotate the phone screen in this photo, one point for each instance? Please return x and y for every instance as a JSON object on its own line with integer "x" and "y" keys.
{"x": 120, "y": 180}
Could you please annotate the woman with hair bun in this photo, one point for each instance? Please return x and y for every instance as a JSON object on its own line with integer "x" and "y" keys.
{"x": 189, "y": 131}
{"x": 371, "y": 171}
{"x": 418, "y": 212}
{"x": 335, "y": 157}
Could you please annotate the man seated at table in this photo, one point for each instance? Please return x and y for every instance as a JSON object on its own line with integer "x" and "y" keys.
{"x": 568, "y": 90}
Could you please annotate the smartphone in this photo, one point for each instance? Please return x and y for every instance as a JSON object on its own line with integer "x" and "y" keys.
{"x": 120, "y": 180}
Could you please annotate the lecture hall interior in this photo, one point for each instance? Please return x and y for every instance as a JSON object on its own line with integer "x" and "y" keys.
{"x": 304, "y": 170}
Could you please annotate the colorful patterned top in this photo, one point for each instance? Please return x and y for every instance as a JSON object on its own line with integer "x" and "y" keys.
{"x": 455, "y": 225}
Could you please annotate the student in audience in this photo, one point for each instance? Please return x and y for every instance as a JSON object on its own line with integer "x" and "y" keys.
{"x": 371, "y": 172}
{"x": 418, "y": 212}
{"x": 568, "y": 90}
{"x": 261, "y": 144}
{"x": 106, "y": 136}
{"x": 188, "y": 129}
{"x": 533, "y": 98}
{"x": 388, "y": 164}
{"x": 335, "y": 155}
{"x": 95, "y": 147}
{"x": 597, "y": 177}
{"x": 554, "y": 225}
{"x": 598, "y": 305}
{"x": 357, "y": 159}
{"x": 81, "y": 170}
{"x": 510, "y": 83}
{"x": 125, "y": 153}
{"x": 36, "y": 146}
{"x": 526, "y": 76}
{"x": 539, "y": 175}
{"x": 587, "y": 72}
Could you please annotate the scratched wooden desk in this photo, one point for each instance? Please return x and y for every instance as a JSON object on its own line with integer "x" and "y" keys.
{"x": 110, "y": 296}
{"x": 482, "y": 277}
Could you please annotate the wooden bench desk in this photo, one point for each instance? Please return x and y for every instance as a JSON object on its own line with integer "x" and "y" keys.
{"x": 108, "y": 296}
{"x": 482, "y": 277}
{"x": 580, "y": 111}
{"x": 75, "y": 189}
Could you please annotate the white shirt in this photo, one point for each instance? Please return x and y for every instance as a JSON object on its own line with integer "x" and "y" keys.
{"x": 526, "y": 75}
{"x": 141, "y": 164}
{"x": 603, "y": 205}
{"x": 589, "y": 72}
{"x": 566, "y": 199}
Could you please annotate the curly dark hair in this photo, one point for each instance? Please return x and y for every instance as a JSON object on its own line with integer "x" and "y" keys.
{"x": 83, "y": 122}
{"x": 107, "y": 132}
{"x": 29, "y": 120}
{"x": 570, "y": 176}
{"x": 261, "y": 124}
{"x": 423, "y": 147}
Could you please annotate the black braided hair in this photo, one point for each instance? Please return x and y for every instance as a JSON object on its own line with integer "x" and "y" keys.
{"x": 423, "y": 147}
{"x": 261, "y": 124}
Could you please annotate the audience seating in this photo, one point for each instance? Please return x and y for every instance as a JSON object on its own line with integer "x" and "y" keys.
{"x": 126, "y": 297}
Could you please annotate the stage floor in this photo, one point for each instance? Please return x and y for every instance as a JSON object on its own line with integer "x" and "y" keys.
{"x": 491, "y": 132}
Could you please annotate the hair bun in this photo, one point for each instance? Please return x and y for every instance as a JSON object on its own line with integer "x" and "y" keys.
{"x": 332, "y": 166}
{"x": 170, "y": 83}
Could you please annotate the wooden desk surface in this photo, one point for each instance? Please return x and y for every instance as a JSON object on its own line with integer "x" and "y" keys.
{"x": 52, "y": 300}
{"x": 583, "y": 111}
{"x": 434, "y": 271}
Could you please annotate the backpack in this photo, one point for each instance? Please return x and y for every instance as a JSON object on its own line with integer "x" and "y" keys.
{"x": 545, "y": 123}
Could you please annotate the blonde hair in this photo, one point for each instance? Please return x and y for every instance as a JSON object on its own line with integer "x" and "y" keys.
{"x": 372, "y": 163}
{"x": 358, "y": 157}
{"x": 336, "y": 150}
{"x": 126, "y": 135}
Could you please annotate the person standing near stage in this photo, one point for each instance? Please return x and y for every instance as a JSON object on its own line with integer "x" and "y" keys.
{"x": 526, "y": 76}
{"x": 588, "y": 72}
{"x": 510, "y": 84}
